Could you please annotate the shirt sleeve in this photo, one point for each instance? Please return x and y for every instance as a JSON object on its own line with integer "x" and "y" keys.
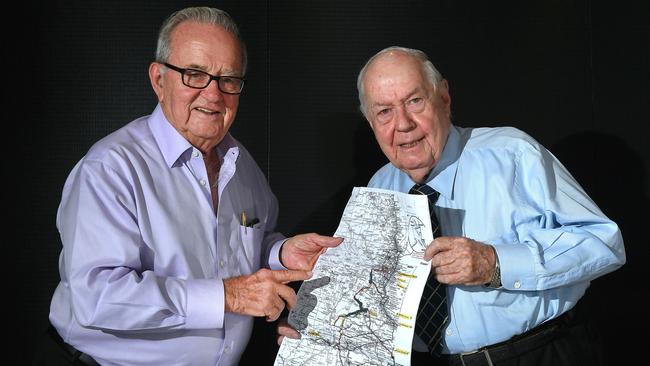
{"x": 274, "y": 257}
{"x": 567, "y": 238}
{"x": 111, "y": 288}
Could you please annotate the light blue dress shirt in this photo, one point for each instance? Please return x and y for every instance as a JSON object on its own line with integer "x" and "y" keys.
{"x": 500, "y": 187}
{"x": 144, "y": 254}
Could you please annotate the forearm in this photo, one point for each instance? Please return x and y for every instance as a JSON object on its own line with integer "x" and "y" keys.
{"x": 120, "y": 299}
{"x": 564, "y": 256}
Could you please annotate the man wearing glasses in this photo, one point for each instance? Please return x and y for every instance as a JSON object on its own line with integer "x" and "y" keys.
{"x": 166, "y": 222}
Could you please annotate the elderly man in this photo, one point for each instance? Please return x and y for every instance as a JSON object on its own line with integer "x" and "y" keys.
{"x": 517, "y": 240}
{"x": 166, "y": 222}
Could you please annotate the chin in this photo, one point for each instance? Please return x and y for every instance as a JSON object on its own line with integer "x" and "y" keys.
{"x": 414, "y": 164}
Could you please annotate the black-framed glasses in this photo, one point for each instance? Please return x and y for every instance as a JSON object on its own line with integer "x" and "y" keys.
{"x": 198, "y": 79}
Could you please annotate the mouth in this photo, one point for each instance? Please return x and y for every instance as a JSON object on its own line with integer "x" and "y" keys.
{"x": 206, "y": 111}
{"x": 408, "y": 145}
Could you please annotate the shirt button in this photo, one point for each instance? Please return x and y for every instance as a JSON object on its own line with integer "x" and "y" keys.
{"x": 517, "y": 284}
{"x": 449, "y": 332}
{"x": 222, "y": 263}
{"x": 226, "y": 349}
{"x": 195, "y": 154}
{"x": 202, "y": 182}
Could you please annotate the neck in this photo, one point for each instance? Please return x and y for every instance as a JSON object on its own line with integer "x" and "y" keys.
{"x": 419, "y": 175}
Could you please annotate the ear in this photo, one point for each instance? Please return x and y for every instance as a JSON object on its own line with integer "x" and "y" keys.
{"x": 156, "y": 78}
{"x": 445, "y": 98}
{"x": 444, "y": 92}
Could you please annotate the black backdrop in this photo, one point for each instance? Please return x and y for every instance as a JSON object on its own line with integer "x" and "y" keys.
{"x": 574, "y": 74}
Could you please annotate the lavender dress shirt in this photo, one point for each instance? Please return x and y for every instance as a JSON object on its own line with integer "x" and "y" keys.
{"x": 144, "y": 254}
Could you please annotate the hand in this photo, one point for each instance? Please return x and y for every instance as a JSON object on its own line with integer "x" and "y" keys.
{"x": 263, "y": 293}
{"x": 458, "y": 260}
{"x": 302, "y": 251}
{"x": 286, "y": 330}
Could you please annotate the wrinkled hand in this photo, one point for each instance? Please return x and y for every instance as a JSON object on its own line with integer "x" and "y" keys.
{"x": 302, "y": 251}
{"x": 458, "y": 260}
{"x": 262, "y": 293}
{"x": 286, "y": 330}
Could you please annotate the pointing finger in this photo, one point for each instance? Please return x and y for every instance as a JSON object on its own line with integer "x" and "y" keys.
{"x": 287, "y": 275}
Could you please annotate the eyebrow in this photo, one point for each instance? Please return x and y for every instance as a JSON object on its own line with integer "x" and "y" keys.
{"x": 408, "y": 96}
{"x": 223, "y": 71}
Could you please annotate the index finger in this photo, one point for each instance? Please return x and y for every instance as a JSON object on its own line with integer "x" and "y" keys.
{"x": 290, "y": 275}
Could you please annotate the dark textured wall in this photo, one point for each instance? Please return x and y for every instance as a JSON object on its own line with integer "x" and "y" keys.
{"x": 573, "y": 74}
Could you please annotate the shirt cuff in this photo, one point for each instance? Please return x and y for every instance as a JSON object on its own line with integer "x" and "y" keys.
{"x": 517, "y": 267}
{"x": 274, "y": 255}
{"x": 205, "y": 304}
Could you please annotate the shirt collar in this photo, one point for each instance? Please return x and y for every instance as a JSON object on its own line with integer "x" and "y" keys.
{"x": 443, "y": 175}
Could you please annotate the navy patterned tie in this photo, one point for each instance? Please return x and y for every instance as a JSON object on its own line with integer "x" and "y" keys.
{"x": 432, "y": 312}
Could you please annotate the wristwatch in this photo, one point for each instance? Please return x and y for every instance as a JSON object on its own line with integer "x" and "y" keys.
{"x": 495, "y": 281}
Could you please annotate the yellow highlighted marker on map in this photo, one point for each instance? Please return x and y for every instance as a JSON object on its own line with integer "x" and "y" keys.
{"x": 405, "y": 316}
{"x": 402, "y": 351}
{"x": 407, "y": 275}
{"x": 313, "y": 333}
{"x": 405, "y": 325}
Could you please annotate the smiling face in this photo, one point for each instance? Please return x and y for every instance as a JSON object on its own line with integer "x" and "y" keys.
{"x": 410, "y": 119}
{"x": 202, "y": 116}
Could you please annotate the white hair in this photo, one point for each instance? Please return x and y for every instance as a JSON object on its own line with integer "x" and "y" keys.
{"x": 201, "y": 14}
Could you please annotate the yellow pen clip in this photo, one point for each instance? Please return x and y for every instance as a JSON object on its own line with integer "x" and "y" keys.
{"x": 243, "y": 219}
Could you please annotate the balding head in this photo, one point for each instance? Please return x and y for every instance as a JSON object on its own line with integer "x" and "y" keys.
{"x": 407, "y": 103}
{"x": 394, "y": 53}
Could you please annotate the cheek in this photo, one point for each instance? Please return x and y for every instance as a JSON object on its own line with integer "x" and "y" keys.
{"x": 232, "y": 101}
{"x": 384, "y": 136}
{"x": 431, "y": 130}
{"x": 182, "y": 100}
{"x": 385, "y": 142}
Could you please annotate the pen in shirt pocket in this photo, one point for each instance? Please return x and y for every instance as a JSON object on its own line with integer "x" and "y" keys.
{"x": 248, "y": 223}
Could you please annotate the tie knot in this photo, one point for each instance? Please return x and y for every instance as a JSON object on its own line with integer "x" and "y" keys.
{"x": 426, "y": 190}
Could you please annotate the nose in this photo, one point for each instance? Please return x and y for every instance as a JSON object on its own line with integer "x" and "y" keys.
{"x": 212, "y": 92}
{"x": 404, "y": 121}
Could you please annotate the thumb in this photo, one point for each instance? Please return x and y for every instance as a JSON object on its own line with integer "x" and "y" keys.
{"x": 329, "y": 241}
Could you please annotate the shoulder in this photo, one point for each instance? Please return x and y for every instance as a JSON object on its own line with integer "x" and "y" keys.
{"x": 494, "y": 136}
{"x": 129, "y": 146}
{"x": 505, "y": 139}
{"x": 127, "y": 139}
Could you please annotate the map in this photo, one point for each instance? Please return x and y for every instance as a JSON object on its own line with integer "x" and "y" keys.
{"x": 359, "y": 306}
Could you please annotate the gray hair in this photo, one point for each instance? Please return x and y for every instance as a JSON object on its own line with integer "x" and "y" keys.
{"x": 433, "y": 76}
{"x": 202, "y": 14}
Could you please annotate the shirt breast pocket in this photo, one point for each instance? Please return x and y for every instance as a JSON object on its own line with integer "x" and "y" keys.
{"x": 251, "y": 255}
